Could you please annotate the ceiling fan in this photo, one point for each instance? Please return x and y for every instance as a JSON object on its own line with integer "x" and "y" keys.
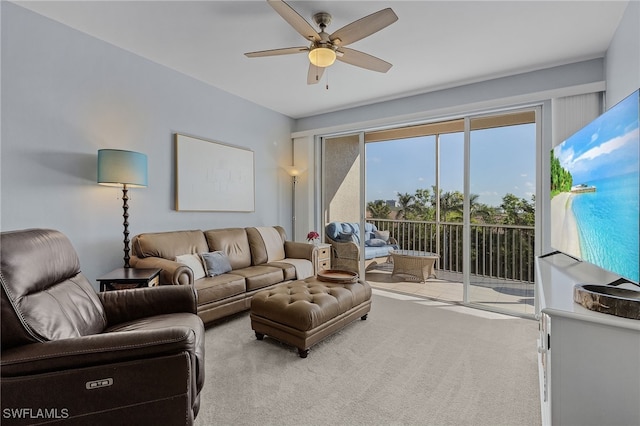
{"x": 326, "y": 48}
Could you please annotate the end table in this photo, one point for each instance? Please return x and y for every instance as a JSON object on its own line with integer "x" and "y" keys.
{"x": 127, "y": 278}
{"x": 324, "y": 257}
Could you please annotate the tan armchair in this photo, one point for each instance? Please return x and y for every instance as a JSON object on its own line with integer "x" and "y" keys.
{"x": 121, "y": 357}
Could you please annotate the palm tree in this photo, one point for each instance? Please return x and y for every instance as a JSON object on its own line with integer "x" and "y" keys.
{"x": 405, "y": 201}
{"x": 379, "y": 209}
{"x": 422, "y": 207}
{"x": 480, "y": 212}
{"x": 451, "y": 205}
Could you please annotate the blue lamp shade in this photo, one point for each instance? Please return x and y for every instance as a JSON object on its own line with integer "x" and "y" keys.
{"x": 117, "y": 167}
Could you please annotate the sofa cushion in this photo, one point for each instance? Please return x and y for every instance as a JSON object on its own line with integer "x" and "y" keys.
{"x": 267, "y": 244}
{"x": 260, "y": 276}
{"x": 233, "y": 242}
{"x": 349, "y": 231}
{"x": 212, "y": 289}
{"x": 168, "y": 245}
{"x": 288, "y": 269}
{"x": 369, "y": 231}
{"x": 382, "y": 235}
{"x": 374, "y": 252}
{"x": 192, "y": 261}
{"x": 375, "y": 242}
{"x": 215, "y": 263}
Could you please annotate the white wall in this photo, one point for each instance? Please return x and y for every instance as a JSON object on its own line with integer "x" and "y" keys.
{"x": 65, "y": 95}
{"x": 535, "y": 86}
{"x": 623, "y": 57}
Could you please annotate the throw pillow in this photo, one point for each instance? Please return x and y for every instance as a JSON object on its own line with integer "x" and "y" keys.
{"x": 375, "y": 242}
{"x": 382, "y": 235}
{"x": 216, "y": 263}
{"x": 193, "y": 262}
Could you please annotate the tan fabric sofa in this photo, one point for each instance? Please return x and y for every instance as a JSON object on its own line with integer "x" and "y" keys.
{"x": 260, "y": 258}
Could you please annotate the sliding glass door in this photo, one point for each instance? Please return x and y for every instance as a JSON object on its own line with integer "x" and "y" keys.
{"x": 501, "y": 211}
{"x": 462, "y": 189}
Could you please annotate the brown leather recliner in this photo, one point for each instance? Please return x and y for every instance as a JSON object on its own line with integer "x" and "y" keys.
{"x": 73, "y": 356}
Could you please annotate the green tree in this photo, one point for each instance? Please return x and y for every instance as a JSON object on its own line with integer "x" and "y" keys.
{"x": 379, "y": 209}
{"x": 561, "y": 179}
{"x": 451, "y": 206}
{"x": 483, "y": 213}
{"x": 518, "y": 211}
{"x": 480, "y": 212}
{"x": 405, "y": 201}
{"x": 422, "y": 209}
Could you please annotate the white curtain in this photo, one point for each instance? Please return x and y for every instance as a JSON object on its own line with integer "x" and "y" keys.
{"x": 571, "y": 113}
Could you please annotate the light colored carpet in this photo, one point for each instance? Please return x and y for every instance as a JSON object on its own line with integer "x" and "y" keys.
{"x": 412, "y": 362}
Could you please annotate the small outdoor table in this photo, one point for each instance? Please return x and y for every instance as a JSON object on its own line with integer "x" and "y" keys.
{"x": 416, "y": 264}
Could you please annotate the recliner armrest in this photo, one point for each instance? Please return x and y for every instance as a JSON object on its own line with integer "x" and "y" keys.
{"x": 128, "y": 305}
{"x": 71, "y": 354}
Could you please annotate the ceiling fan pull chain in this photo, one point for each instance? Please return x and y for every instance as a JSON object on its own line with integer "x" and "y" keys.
{"x": 327, "y": 86}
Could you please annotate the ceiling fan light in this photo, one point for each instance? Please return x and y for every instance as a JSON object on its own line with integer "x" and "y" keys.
{"x": 322, "y": 57}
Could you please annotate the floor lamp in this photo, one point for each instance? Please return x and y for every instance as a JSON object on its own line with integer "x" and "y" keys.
{"x": 126, "y": 169}
{"x": 294, "y": 172}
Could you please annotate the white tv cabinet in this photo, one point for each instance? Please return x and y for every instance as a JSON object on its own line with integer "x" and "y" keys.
{"x": 589, "y": 362}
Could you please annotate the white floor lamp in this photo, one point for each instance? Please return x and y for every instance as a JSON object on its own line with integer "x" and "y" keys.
{"x": 294, "y": 172}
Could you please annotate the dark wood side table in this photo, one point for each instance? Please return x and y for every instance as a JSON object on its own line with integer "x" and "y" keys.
{"x": 127, "y": 278}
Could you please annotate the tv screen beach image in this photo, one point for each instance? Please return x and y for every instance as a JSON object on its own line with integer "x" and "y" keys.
{"x": 595, "y": 182}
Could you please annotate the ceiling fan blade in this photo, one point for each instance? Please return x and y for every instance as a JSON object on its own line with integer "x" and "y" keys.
{"x": 276, "y": 52}
{"x": 364, "y": 27}
{"x": 363, "y": 60}
{"x": 315, "y": 74}
{"x": 295, "y": 20}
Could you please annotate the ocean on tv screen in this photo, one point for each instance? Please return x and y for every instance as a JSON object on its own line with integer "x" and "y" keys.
{"x": 595, "y": 186}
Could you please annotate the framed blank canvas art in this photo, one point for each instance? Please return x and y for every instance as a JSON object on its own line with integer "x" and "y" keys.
{"x": 212, "y": 176}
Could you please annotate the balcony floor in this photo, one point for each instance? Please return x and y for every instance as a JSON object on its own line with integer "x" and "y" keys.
{"x": 494, "y": 294}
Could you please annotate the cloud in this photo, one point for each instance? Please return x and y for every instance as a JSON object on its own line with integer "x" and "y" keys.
{"x": 609, "y": 146}
{"x": 603, "y": 149}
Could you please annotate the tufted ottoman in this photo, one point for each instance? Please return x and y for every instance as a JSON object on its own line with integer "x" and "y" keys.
{"x": 301, "y": 313}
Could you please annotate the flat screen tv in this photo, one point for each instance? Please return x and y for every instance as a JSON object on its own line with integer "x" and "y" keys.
{"x": 595, "y": 182}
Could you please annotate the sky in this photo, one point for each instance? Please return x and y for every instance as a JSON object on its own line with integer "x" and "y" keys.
{"x": 502, "y": 161}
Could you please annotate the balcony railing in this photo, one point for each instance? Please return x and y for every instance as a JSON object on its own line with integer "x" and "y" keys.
{"x": 497, "y": 251}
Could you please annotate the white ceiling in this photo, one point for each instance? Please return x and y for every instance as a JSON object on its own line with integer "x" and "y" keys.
{"x": 433, "y": 45}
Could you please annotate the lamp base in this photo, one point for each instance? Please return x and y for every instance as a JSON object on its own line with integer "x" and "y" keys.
{"x": 125, "y": 215}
